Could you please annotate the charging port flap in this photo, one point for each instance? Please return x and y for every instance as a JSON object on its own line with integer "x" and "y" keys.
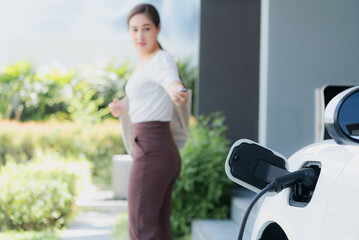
{"x": 253, "y": 166}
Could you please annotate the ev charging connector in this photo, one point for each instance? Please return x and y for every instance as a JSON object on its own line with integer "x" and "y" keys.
{"x": 263, "y": 170}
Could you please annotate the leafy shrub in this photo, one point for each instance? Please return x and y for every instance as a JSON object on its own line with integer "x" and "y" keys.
{"x": 46, "y": 93}
{"x": 12, "y": 80}
{"x": 94, "y": 88}
{"x": 97, "y": 143}
{"x": 53, "y": 91}
{"x": 40, "y": 195}
{"x": 21, "y": 149}
{"x": 84, "y": 107}
{"x": 203, "y": 189}
{"x": 189, "y": 76}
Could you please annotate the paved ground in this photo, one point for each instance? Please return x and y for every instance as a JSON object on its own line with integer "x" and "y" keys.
{"x": 98, "y": 216}
{"x": 91, "y": 225}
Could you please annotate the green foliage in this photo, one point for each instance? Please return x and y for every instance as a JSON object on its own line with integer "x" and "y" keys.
{"x": 46, "y": 93}
{"x": 203, "y": 189}
{"x": 19, "y": 149}
{"x": 186, "y": 237}
{"x": 98, "y": 143}
{"x": 117, "y": 76}
{"x": 53, "y": 91}
{"x": 12, "y": 79}
{"x": 39, "y": 195}
{"x": 189, "y": 77}
{"x": 84, "y": 107}
{"x": 94, "y": 89}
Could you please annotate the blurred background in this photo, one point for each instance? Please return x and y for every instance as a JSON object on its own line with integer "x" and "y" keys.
{"x": 77, "y": 32}
{"x": 263, "y": 64}
{"x": 61, "y": 63}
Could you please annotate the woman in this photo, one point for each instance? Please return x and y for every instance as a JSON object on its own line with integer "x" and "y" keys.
{"x": 151, "y": 91}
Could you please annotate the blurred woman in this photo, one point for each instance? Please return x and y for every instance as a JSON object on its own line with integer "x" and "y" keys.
{"x": 151, "y": 90}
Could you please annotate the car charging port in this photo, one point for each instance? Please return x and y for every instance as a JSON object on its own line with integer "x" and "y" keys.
{"x": 305, "y": 178}
{"x": 301, "y": 194}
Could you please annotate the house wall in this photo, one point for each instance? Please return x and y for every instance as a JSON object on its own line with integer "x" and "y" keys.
{"x": 229, "y": 64}
{"x": 305, "y": 45}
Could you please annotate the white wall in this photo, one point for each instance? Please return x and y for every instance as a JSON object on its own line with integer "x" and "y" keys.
{"x": 306, "y": 44}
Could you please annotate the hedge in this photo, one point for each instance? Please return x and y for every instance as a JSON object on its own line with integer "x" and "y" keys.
{"x": 40, "y": 195}
{"x": 21, "y": 142}
{"x": 203, "y": 189}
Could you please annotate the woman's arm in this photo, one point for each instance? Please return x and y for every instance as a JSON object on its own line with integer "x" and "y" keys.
{"x": 178, "y": 97}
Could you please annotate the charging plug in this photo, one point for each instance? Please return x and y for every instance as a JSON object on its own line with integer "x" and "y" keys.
{"x": 307, "y": 176}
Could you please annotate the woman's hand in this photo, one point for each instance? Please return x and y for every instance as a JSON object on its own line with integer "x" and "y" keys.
{"x": 179, "y": 97}
{"x": 116, "y": 108}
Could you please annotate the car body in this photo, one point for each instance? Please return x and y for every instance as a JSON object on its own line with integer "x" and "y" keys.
{"x": 329, "y": 209}
{"x": 333, "y": 211}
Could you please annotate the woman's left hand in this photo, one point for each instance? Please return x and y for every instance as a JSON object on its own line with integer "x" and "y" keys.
{"x": 177, "y": 93}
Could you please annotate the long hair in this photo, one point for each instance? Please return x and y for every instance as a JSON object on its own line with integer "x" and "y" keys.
{"x": 150, "y": 11}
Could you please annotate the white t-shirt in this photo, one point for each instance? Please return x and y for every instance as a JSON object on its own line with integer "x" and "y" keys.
{"x": 147, "y": 89}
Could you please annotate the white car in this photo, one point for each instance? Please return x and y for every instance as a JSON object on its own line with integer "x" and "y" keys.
{"x": 315, "y": 193}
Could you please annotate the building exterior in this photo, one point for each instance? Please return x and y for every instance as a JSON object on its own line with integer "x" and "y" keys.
{"x": 261, "y": 61}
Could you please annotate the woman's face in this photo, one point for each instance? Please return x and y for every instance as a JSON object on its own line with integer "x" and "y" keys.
{"x": 143, "y": 33}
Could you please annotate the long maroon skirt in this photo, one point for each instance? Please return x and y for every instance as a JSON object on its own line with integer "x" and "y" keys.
{"x": 156, "y": 166}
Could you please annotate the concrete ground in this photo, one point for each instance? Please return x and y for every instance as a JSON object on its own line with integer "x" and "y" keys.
{"x": 92, "y": 225}
{"x": 98, "y": 217}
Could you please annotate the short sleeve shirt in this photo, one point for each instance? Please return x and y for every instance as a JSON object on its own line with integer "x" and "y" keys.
{"x": 147, "y": 89}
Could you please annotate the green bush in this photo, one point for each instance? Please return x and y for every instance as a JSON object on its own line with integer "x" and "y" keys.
{"x": 203, "y": 189}
{"x": 12, "y": 79}
{"x": 21, "y": 149}
{"x": 53, "y": 91}
{"x": 189, "y": 76}
{"x": 46, "y": 93}
{"x": 94, "y": 89}
{"x": 84, "y": 107}
{"x": 97, "y": 143}
{"x": 38, "y": 196}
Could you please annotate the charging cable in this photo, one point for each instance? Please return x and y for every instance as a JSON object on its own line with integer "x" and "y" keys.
{"x": 307, "y": 176}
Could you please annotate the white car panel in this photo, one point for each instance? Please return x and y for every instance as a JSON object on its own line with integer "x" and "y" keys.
{"x": 304, "y": 223}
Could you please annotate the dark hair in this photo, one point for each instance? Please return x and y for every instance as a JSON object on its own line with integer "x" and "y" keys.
{"x": 150, "y": 11}
{"x": 147, "y": 9}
